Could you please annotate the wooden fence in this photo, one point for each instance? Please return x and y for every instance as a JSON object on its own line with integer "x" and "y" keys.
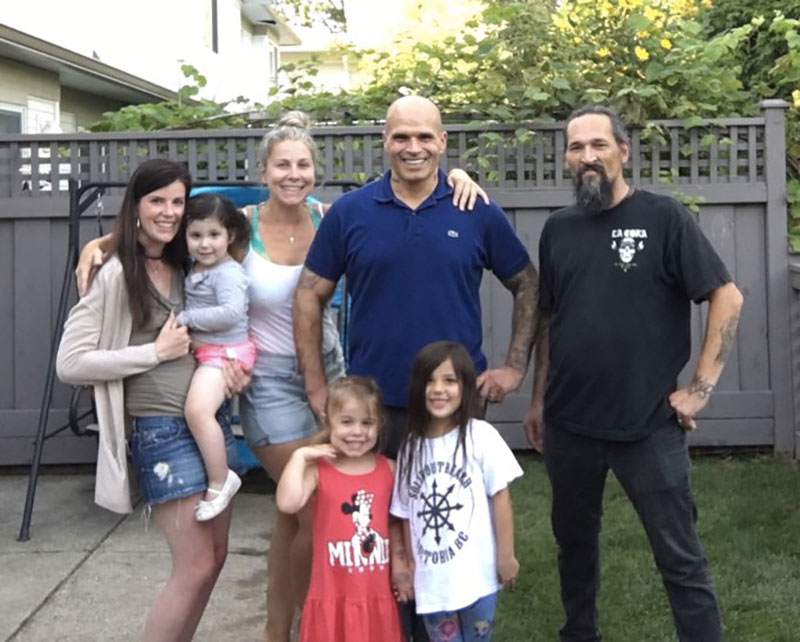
{"x": 733, "y": 170}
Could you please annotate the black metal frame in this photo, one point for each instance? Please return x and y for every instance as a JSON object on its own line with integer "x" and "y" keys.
{"x": 78, "y": 204}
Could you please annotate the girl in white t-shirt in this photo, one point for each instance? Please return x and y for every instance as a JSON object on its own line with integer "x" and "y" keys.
{"x": 451, "y": 490}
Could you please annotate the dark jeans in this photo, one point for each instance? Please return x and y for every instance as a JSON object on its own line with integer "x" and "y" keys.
{"x": 655, "y": 474}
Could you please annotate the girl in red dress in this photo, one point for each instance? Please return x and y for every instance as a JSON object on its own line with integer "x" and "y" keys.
{"x": 350, "y": 597}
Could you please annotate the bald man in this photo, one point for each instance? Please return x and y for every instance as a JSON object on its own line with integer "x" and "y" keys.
{"x": 413, "y": 264}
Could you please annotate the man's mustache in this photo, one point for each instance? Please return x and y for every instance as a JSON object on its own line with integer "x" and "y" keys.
{"x": 595, "y": 167}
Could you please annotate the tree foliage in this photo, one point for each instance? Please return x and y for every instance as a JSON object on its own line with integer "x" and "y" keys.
{"x": 524, "y": 60}
{"x": 307, "y": 13}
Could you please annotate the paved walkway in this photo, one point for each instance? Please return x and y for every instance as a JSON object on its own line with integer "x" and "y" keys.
{"x": 89, "y": 575}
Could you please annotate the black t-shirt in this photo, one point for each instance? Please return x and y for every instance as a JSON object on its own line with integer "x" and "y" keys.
{"x": 618, "y": 287}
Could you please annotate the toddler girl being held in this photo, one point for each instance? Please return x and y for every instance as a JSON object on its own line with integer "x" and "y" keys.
{"x": 216, "y": 314}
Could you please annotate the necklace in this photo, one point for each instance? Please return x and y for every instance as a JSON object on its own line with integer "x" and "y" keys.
{"x": 292, "y": 232}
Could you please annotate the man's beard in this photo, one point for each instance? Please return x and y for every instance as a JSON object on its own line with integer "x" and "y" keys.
{"x": 595, "y": 195}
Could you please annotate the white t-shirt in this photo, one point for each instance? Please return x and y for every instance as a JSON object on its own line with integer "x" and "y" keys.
{"x": 447, "y": 505}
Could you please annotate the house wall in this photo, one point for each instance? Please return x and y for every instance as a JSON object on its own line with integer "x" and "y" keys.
{"x": 87, "y": 108}
{"x": 18, "y": 81}
{"x": 151, "y": 39}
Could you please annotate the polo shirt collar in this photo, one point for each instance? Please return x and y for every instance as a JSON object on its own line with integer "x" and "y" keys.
{"x": 384, "y": 193}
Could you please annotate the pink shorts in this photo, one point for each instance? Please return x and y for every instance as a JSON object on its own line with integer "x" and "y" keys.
{"x": 244, "y": 352}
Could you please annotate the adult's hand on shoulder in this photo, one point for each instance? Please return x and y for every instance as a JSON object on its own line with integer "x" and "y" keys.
{"x": 496, "y": 383}
{"x": 533, "y": 425}
{"x": 172, "y": 340}
{"x": 90, "y": 261}
{"x": 465, "y": 190}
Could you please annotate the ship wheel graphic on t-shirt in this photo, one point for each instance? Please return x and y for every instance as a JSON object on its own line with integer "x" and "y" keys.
{"x": 436, "y": 511}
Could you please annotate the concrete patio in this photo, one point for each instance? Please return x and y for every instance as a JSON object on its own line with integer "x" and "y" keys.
{"x": 87, "y": 574}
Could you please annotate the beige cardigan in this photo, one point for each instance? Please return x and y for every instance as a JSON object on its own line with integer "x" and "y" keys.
{"x": 94, "y": 351}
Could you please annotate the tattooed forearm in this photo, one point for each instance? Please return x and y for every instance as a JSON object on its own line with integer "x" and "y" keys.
{"x": 727, "y": 334}
{"x": 525, "y": 287}
{"x": 308, "y": 280}
{"x": 701, "y": 387}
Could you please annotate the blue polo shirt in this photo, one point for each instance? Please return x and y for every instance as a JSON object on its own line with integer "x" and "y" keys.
{"x": 414, "y": 275}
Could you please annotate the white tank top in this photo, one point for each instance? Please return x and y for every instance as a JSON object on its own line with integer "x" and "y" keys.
{"x": 271, "y": 292}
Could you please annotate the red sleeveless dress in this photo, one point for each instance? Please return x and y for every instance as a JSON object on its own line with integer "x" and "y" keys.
{"x": 350, "y": 597}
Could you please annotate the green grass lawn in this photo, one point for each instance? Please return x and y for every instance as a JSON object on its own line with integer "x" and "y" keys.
{"x": 750, "y": 526}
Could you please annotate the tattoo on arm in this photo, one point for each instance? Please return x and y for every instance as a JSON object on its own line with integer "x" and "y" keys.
{"x": 727, "y": 334}
{"x": 308, "y": 280}
{"x": 524, "y": 285}
{"x": 701, "y": 387}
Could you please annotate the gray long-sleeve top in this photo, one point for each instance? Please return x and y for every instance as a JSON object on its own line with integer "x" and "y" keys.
{"x": 216, "y": 304}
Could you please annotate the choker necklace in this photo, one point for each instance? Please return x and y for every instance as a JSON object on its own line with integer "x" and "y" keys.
{"x": 160, "y": 257}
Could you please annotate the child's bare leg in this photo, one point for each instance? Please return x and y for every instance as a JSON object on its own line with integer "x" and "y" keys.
{"x": 206, "y": 394}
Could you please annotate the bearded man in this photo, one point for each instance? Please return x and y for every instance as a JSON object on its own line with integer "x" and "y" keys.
{"x": 614, "y": 334}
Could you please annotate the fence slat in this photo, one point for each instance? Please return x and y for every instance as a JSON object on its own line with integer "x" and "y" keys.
{"x": 231, "y": 147}
{"x": 34, "y": 186}
{"x": 53, "y": 169}
{"x": 212, "y": 159}
{"x": 752, "y": 154}
{"x": 636, "y": 161}
{"x": 191, "y": 153}
{"x": 733, "y": 155}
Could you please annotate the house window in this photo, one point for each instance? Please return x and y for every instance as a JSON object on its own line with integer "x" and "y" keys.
{"x": 42, "y": 116}
{"x": 11, "y": 119}
{"x": 273, "y": 62}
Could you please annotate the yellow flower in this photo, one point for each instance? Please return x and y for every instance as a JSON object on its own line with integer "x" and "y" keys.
{"x": 707, "y": 4}
{"x": 603, "y": 52}
{"x": 651, "y": 14}
{"x": 666, "y": 44}
{"x": 606, "y": 8}
{"x": 561, "y": 23}
{"x": 796, "y": 98}
{"x": 641, "y": 53}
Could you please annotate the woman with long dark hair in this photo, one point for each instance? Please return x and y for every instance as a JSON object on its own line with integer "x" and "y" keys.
{"x": 122, "y": 338}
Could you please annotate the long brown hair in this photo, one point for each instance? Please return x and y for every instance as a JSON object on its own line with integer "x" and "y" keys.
{"x": 150, "y": 176}
{"x": 427, "y": 360}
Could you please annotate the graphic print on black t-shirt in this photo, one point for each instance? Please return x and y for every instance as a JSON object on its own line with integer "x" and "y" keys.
{"x": 443, "y": 493}
{"x": 626, "y": 242}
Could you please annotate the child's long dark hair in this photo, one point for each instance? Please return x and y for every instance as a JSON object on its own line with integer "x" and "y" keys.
{"x": 427, "y": 360}
{"x": 211, "y": 205}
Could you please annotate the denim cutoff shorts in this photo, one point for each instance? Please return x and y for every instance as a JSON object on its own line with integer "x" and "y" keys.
{"x": 274, "y": 409}
{"x": 166, "y": 458}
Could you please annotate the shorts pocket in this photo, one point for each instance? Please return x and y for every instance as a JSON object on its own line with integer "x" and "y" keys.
{"x": 147, "y": 437}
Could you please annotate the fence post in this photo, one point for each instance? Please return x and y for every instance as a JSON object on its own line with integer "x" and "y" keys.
{"x": 778, "y": 311}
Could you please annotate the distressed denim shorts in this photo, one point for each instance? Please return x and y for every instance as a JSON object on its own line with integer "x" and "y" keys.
{"x": 166, "y": 458}
{"x": 274, "y": 409}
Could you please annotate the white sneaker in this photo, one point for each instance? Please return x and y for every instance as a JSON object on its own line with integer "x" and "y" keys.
{"x": 209, "y": 509}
